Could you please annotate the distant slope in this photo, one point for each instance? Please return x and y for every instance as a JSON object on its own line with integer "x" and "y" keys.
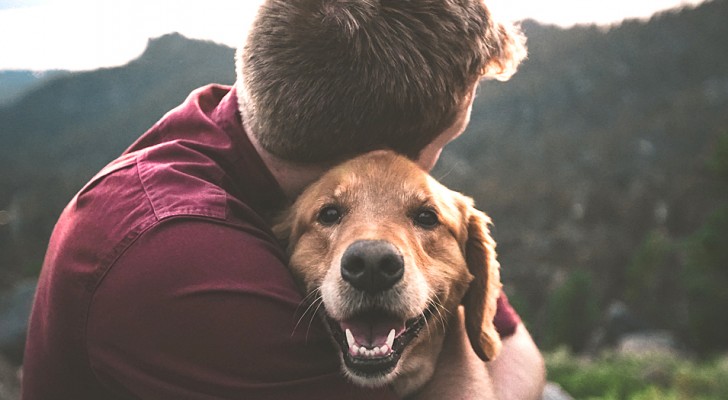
{"x": 98, "y": 113}
{"x": 58, "y": 135}
{"x": 14, "y": 83}
{"x": 589, "y": 106}
{"x": 601, "y": 138}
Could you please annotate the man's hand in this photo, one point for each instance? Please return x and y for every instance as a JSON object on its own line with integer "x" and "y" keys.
{"x": 459, "y": 373}
{"x": 517, "y": 373}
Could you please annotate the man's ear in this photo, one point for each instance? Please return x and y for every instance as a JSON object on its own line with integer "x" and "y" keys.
{"x": 480, "y": 301}
{"x": 506, "y": 48}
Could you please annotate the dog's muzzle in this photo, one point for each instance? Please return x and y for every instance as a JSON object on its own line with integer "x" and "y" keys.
{"x": 373, "y": 339}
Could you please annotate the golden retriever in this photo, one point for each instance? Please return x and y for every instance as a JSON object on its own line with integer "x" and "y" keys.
{"x": 388, "y": 254}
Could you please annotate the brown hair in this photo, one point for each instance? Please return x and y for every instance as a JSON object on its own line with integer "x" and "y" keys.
{"x": 325, "y": 80}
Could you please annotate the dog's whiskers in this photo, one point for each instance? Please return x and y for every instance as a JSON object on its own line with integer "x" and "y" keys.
{"x": 312, "y": 298}
{"x": 320, "y": 301}
{"x": 439, "y": 308}
{"x": 444, "y": 174}
{"x": 305, "y": 300}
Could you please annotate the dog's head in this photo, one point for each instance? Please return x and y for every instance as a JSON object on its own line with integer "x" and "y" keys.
{"x": 391, "y": 254}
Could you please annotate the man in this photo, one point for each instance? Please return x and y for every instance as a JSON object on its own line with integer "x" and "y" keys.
{"x": 162, "y": 279}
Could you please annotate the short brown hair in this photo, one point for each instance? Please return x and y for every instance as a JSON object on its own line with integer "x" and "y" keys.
{"x": 325, "y": 80}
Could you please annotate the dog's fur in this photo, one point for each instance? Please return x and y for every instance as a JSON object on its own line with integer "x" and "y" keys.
{"x": 379, "y": 196}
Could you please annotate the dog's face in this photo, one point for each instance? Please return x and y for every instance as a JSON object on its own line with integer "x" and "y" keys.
{"x": 390, "y": 254}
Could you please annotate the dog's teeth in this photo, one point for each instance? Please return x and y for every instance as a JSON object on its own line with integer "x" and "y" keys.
{"x": 350, "y": 338}
{"x": 375, "y": 352}
{"x": 390, "y": 339}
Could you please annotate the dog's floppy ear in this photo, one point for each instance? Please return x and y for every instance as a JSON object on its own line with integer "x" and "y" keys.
{"x": 481, "y": 299}
{"x": 283, "y": 226}
{"x": 286, "y": 228}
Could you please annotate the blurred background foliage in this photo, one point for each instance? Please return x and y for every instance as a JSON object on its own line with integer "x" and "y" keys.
{"x": 603, "y": 163}
{"x": 652, "y": 377}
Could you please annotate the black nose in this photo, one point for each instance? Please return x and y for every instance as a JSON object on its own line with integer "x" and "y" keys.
{"x": 372, "y": 265}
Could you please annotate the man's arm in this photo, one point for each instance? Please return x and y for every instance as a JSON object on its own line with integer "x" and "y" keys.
{"x": 517, "y": 373}
{"x": 199, "y": 310}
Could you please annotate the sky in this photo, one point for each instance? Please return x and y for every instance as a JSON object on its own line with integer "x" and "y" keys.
{"x": 88, "y": 34}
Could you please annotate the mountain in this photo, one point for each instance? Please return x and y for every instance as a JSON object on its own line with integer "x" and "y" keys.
{"x": 598, "y": 142}
{"x": 58, "y": 135}
{"x": 13, "y": 83}
{"x": 599, "y": 145}
{"x": 92, "y": 115}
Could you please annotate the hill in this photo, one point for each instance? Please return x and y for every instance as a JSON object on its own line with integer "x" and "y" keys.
{"x": 599, "y": 143}
{"x": 595, "y": 151}
{"x": 59, "y": 134}
{"x": 13, "y": 83}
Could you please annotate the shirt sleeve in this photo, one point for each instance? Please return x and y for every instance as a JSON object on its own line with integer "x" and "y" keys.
{"x": 506, "y": 319}
{"x": 194, "y": 309}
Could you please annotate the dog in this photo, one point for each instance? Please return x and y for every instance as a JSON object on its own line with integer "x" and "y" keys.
{"x": 388, "y": 255}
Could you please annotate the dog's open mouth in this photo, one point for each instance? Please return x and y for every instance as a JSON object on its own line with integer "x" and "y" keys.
{"x": 373, "y": 341}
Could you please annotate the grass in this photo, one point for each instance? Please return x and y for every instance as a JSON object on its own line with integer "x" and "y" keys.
{"x": 647, "y": 377}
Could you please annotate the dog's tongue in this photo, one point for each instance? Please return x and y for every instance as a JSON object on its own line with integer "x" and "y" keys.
{"x": 372, "y": 329}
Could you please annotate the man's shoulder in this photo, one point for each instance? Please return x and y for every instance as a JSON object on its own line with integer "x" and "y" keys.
{"x": 178, "y": 180}
{"x": 142, "y": 190}
{"x": 170, "y": 179}
{"x": 208, "y": 252}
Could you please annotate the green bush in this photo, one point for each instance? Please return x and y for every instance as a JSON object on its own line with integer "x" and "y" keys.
{"x": 718, "y": 163}
{"x": 652, "y": 284}
{"x": 653, "y": 377}
{"x": 680, "y": 284}
{"x": 573, "y": 312}
{"x": 706, "y": 279}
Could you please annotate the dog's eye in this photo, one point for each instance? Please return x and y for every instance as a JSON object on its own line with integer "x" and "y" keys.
{"x": 329, "y": 215}
{"x": 426, "y": 219}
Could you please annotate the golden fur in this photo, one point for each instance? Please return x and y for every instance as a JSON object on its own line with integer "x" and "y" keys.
{"x": 379, "y": 196}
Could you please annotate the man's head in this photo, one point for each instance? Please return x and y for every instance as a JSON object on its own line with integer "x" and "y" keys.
{"x": 320, "y": 81}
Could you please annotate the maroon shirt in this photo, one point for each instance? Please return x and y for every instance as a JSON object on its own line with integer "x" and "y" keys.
{"x": 163, "y": 280}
